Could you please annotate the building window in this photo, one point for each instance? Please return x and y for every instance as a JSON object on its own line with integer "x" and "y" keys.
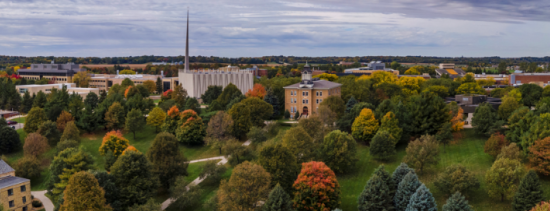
{"x": 317, "y": 101}
{"x": 22, "y": 90}
{"x": 24, "y": 208}
{"x": 23, "y": 188}
{"x": 320, "y": 93}
{"x": 24, "y": 199}
{"x": 12, "y": 204}
{"x": 10, "y": 192}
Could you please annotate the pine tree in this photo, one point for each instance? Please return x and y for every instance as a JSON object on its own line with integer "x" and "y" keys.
{"x": 134, "y": 121}
{"x": 278, "y": 200}
{"x": 27, "y": 103}
{"x": 400, "y": 172}
{"x": 422, "y": 199}
{"x": 375, "y": 196}
{"x": 159, "y": 86}
{"x": 407, "y": 187}
{"x": 274, "y": 102}
{"x": 457, "y": 202}
{"x": 40, "y": 100}
{"x": 349, "y": 105}
{"x": 384, "y": 107}
{"x": 529, "y": 193}
{"x": 388, "y": 180}
{"x": 444, "y": 135}
{"x": 485, "y": 120}
{"x": 382, "y": 146}
{"x": 87, "y": 121}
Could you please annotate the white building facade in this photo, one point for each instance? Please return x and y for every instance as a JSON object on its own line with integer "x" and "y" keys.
{"x": 196, "y": 82}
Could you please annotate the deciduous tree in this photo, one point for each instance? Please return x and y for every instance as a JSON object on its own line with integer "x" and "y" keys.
{"x": 242, "y": 120}
{"x": 347, "y": 120}
{"x": 519, "y": 123}
{"x": 512, "y": 152}
{"x": 63, "y": 119}
{"x": 133, "y": 177}
{"x": 530, "y": 93}
{"x": 336, "y": 104}
{"x": 28, "y": 167}
{"x": 192, "y": 129}
{"x": 365, "y": 126}
{"x": 115, "y": 116}
{"x": 529, "y": 193}
{"x": 259, "y": 110}
{"x": 508, "y": 106}
{"x": 64, "y": 165}
{"x": 422, "y": 152}
{"x": 339, "y": 151}
{"x": 168, "y": 162}
{"x": 113, "y": 141}
{"x": 382, "y": 146}
{"x": 540, "y": 129}
{"x": 71, "y": 132}
{"x": 503, "y": 178}
{"x": 84, "y": 193}
{"x": 456, "y": 178}
{"x": 258, "y": 91}
{"x": 34, "y": 119}
{"x": 35, "y": 145}
{"x": 82, "y": 79}
{"x": 280, "y": 163}
{"x": 316, "y": 179}
{"x": 49, "y": 130}
{"x": 470, "y": 88}
{"x": 391, "y": 124}
{"x": 494, "y": 145}
{"x": 485, "y": 120}
{"x": 150, "y": 85}
{"x": 134, "y": 121}
{"x": 539, "y": 156}
{"x": 211, "y": 94}
{"x": 227, "y": 94}
{"x": 248, "y": 185}
{"x": 299, "y": 143}
{"x": 107, "y": 182}
{"x": 155, "y": 118}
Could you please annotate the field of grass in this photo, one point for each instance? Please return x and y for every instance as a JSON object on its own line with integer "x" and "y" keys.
{"x": 467, "y": 152}
{"x": 20, "y": 119}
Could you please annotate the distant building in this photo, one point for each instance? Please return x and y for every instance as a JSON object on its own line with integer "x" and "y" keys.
{"x": 541, "y": 79}
{"x": 372, "y": 66}
{"x": 47, "y": 88}
{"x": 449, "y": 69}
{"x": 59, "y": 73}
{"x": 306, "y": 96}
{"x": 106, "y": 81}
{"x": 15, "y": 192}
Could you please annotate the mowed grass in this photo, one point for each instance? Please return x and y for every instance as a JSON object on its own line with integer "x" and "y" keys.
{"x": 468, "y": 152}
{"x": 20, "y": 119}
{"x": 91, "y": 143}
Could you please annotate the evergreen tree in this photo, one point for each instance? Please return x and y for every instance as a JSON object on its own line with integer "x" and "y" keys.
{"x": 92, "y": 100}
{"x": 400, "y": 172}
{"x": 159, "y": 86}
{"x": 403, "y": 116}
{"x": 519, "y": 123}
{"x": 428, "y": 113}
{"x": 193, "y": 104}
{"x": 211, "y": 94}
{"x": 349, "y": 105}
{"x": 422, "y": 199}
{"x": 457, "y": 202}
{"x": 49, "y": 130}
{"x": 3, "y": 123}
{"x": 407, "y": 187}
{"x": 375, "y": 196}
{"x": 485, "y": 120}
{"x": 75, "y": 106}
{"x": 273, "y": 100}
{"x": 540, "y": 129}
{"x": 445, "y": 134}
{"x": 84, "y": 193}
{"x": 388, "y": 180}
{"x": 278, "y": 200}
{"x": 58, "y": 102}
{"x": 384, "y": 107}
{"x": 27, "y": 103}
{"x": 134, "y": 178}
{"x": 87, "y": 121}
{"x": 64, "y": 165}
{"x": 40, "y": 100}
{"x": 529, "y": 193}
{"x": 382, "y": 146}
{"x": 134, "y": 121}
{"x": 168, "y": 162}
{"x": 10, "y": 141}
{"x": 107, "y": 182}
{"x": 346, "y": 121}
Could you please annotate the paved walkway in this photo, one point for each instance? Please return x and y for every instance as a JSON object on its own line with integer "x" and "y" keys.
{"x": 18, "y": 125}
{"x": 40, "y": 195}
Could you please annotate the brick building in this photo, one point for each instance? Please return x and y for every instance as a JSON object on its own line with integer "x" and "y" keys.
{"x": 306, "y": 96}
{"x": 540, "y": 79}
{"x": 15, "y": 192}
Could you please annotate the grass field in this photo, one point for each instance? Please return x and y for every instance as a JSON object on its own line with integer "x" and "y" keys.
{"x": 468, "y": 152}
{"x": 19, "y": 120}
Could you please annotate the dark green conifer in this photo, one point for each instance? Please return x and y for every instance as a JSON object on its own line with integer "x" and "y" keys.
{"x": 529, "y": 193}
{"x": 457, "y": 202}
{"x": 399, "y": 173}
{"x": 387, "y": 178}
{"x": 382, "y": 146}
{"x": 375, "y": 196}
{"x": 407, "y": 187}
{"x": 278, "y": 200}
{"x": 422, "y": 200}
{"x": 349, "y": 105}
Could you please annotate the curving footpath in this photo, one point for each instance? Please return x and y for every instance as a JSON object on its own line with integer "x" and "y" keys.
{"x": 40, "y": 195}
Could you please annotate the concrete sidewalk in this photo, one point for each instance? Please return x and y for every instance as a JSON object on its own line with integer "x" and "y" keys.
{"x": 40, "y": 195}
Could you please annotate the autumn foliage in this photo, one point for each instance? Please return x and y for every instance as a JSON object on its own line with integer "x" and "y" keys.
{"x": 130, "y": 148}
{"x": 173, "y": 112}
{"x": 543, "y": 206}
{"x": 540, "y": 156}
{"x": 316, "y": 188}
{"x": 456, "y": 122}
{"x": 494, "y": 145}
{"x": 127, "y": 90}
{"x": 257, "y": 91}
{"x": 114, "y": 142}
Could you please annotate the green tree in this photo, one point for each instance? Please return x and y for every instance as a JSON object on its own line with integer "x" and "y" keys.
{"x": 503, "y": 178}
{"x": 211, "y": 94}
{"x": 457, "y": 202}
{"x": 540, "y": 129}
{"x": 40, "y": 100}
{"x": 193, "y": 104}
{"x": 391, "y": 124}
{"x": 456, "y": 178}
{"x": 485, "y": 120}
{"x": 422, "y": 199}
{"x": 49, "y": 130}
{"x": 84, "y": 193}
{"x": 428, "y": 112}
{"x": 280, "y": 163}
{"x": 57, "y": 102}
{"x": 495, "y": 143}
{"x": 273, "y": 100}
{"x": 64, "y": 165}
{"x": 388, "y": 180}
{"x": 259, "y": 110}
{"x": 470, "y": 88}
{"x": 179, "y": 95}
{"x": 10, "y": 140}
{"x": 336, "y": 104}
{"x": 349, "y": 105}
{"x": 519, "y": 123}
{"x": 75, "y": 106}
{"x": 107, "y": 182}
{"x": 299, "y": 143}
{"x": 406, "y": 188}
{"x": 71, "y": 132}
{"x": 134, "y": 178}
{"x": 242, "y": 120}
{"x": 384, "y": 107}
{"x": 287, "y": 114}
{"x": 115, "y": 116}
{"x": 529, "y": 193}
{"x": 26, "y": 105}
{"x": 168, "y": 162}
{"x": 365, "y": 126}
{"x": 375, "y": 196}
{"x": 227, "y": 94}
{"x": 185, "y": 195}
{"x": 347, "y": 120}
{"x": 151, "y": 205}
{"x": 159, "y": 85}
{"x": 92, "y": 100}
{"x": 530, "y": 93}
{"x": 508, "y": 106}
{"x": 155, "y": 118}
{"x": 126, "y": 83}
{"x": 382, "y": 146}
{"x": 278, "y": 200}
{"x": 34, "y": 119}
{"x": 256, "y": 135}
{"x": 249, "y": 184}
{"x": 28, "y": 167}
{"x": 88, "y": 121}
{"x": 400, "y": 173}
{"x": 422, "y": 152}
{"x": 445, "y": 134}
{"x": 134, "y": 121}
{"x": 192, "y": 129}
{"x": 339, "y": 151}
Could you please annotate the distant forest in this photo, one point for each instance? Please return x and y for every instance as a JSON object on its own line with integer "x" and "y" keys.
{"x": 476, "y": 61}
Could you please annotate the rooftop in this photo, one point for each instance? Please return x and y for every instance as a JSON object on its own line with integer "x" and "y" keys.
{"x": 318, "y": 84}
{"x": 5, "y": 168}
{"x": 11, "y": 181}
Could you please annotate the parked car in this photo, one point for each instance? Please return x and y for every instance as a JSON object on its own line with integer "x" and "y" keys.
{"x": 10, "y": 122}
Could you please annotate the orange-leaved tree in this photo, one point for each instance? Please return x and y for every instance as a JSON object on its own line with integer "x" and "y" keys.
{"x": 543, "y": 206}
{"x": 114, "y": 142}
{"x": 130, "y": 148}
{"x": 316, "y": 188}
{"x": 257, "y": 91}
{"x": 540, "y": 156}
{"x": 456, "y": 122}
{"x": 494, "y": 145}
{"x": 63, "y": 119}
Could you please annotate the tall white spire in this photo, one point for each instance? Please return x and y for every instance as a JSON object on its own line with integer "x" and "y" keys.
{"x": 187, "y": 45}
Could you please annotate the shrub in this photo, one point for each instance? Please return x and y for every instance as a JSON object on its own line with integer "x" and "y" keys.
{"x": 36, "y": 204}
{"x": 35, "y": 145}
{"x": 456, "y": 178}
{"x": 28, "y": 167}
{"x": 383, "y": 145}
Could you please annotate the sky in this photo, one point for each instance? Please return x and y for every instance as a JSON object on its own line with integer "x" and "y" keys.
{"x": 254, "y": 28}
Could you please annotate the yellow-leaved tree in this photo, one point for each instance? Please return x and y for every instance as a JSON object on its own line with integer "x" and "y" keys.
{"x": 127, "y": 72}
{"x": 156, "y": 118}
{"x": 114, "y": 142}
{"x": 328, "y": 77}
{"x": 413, "y": 71}
{"x": 82, "y": 79}
{"x": 365, "y": 126}
{"x": 380, "y": 77}
{"x": 411, "y": 85}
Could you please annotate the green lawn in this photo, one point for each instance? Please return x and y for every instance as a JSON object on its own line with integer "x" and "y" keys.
{"x": 20, "y": 119}
{"x": 468, "y": 152}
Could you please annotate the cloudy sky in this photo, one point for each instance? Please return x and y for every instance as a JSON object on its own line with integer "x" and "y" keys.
{"x": 235, "y": 28}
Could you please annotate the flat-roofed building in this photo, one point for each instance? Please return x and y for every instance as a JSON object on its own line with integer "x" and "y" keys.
{"x": 541, "y": 79}
{"x": 449, "y": 69}
{"x": 15, "y": 192}
{"x": 196, "y": 82}
{"x": 47, "y": 88}
{"x": 58, "y": 73}
{"x": 106, "y": 81}
{"x": 306, "y": 96}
